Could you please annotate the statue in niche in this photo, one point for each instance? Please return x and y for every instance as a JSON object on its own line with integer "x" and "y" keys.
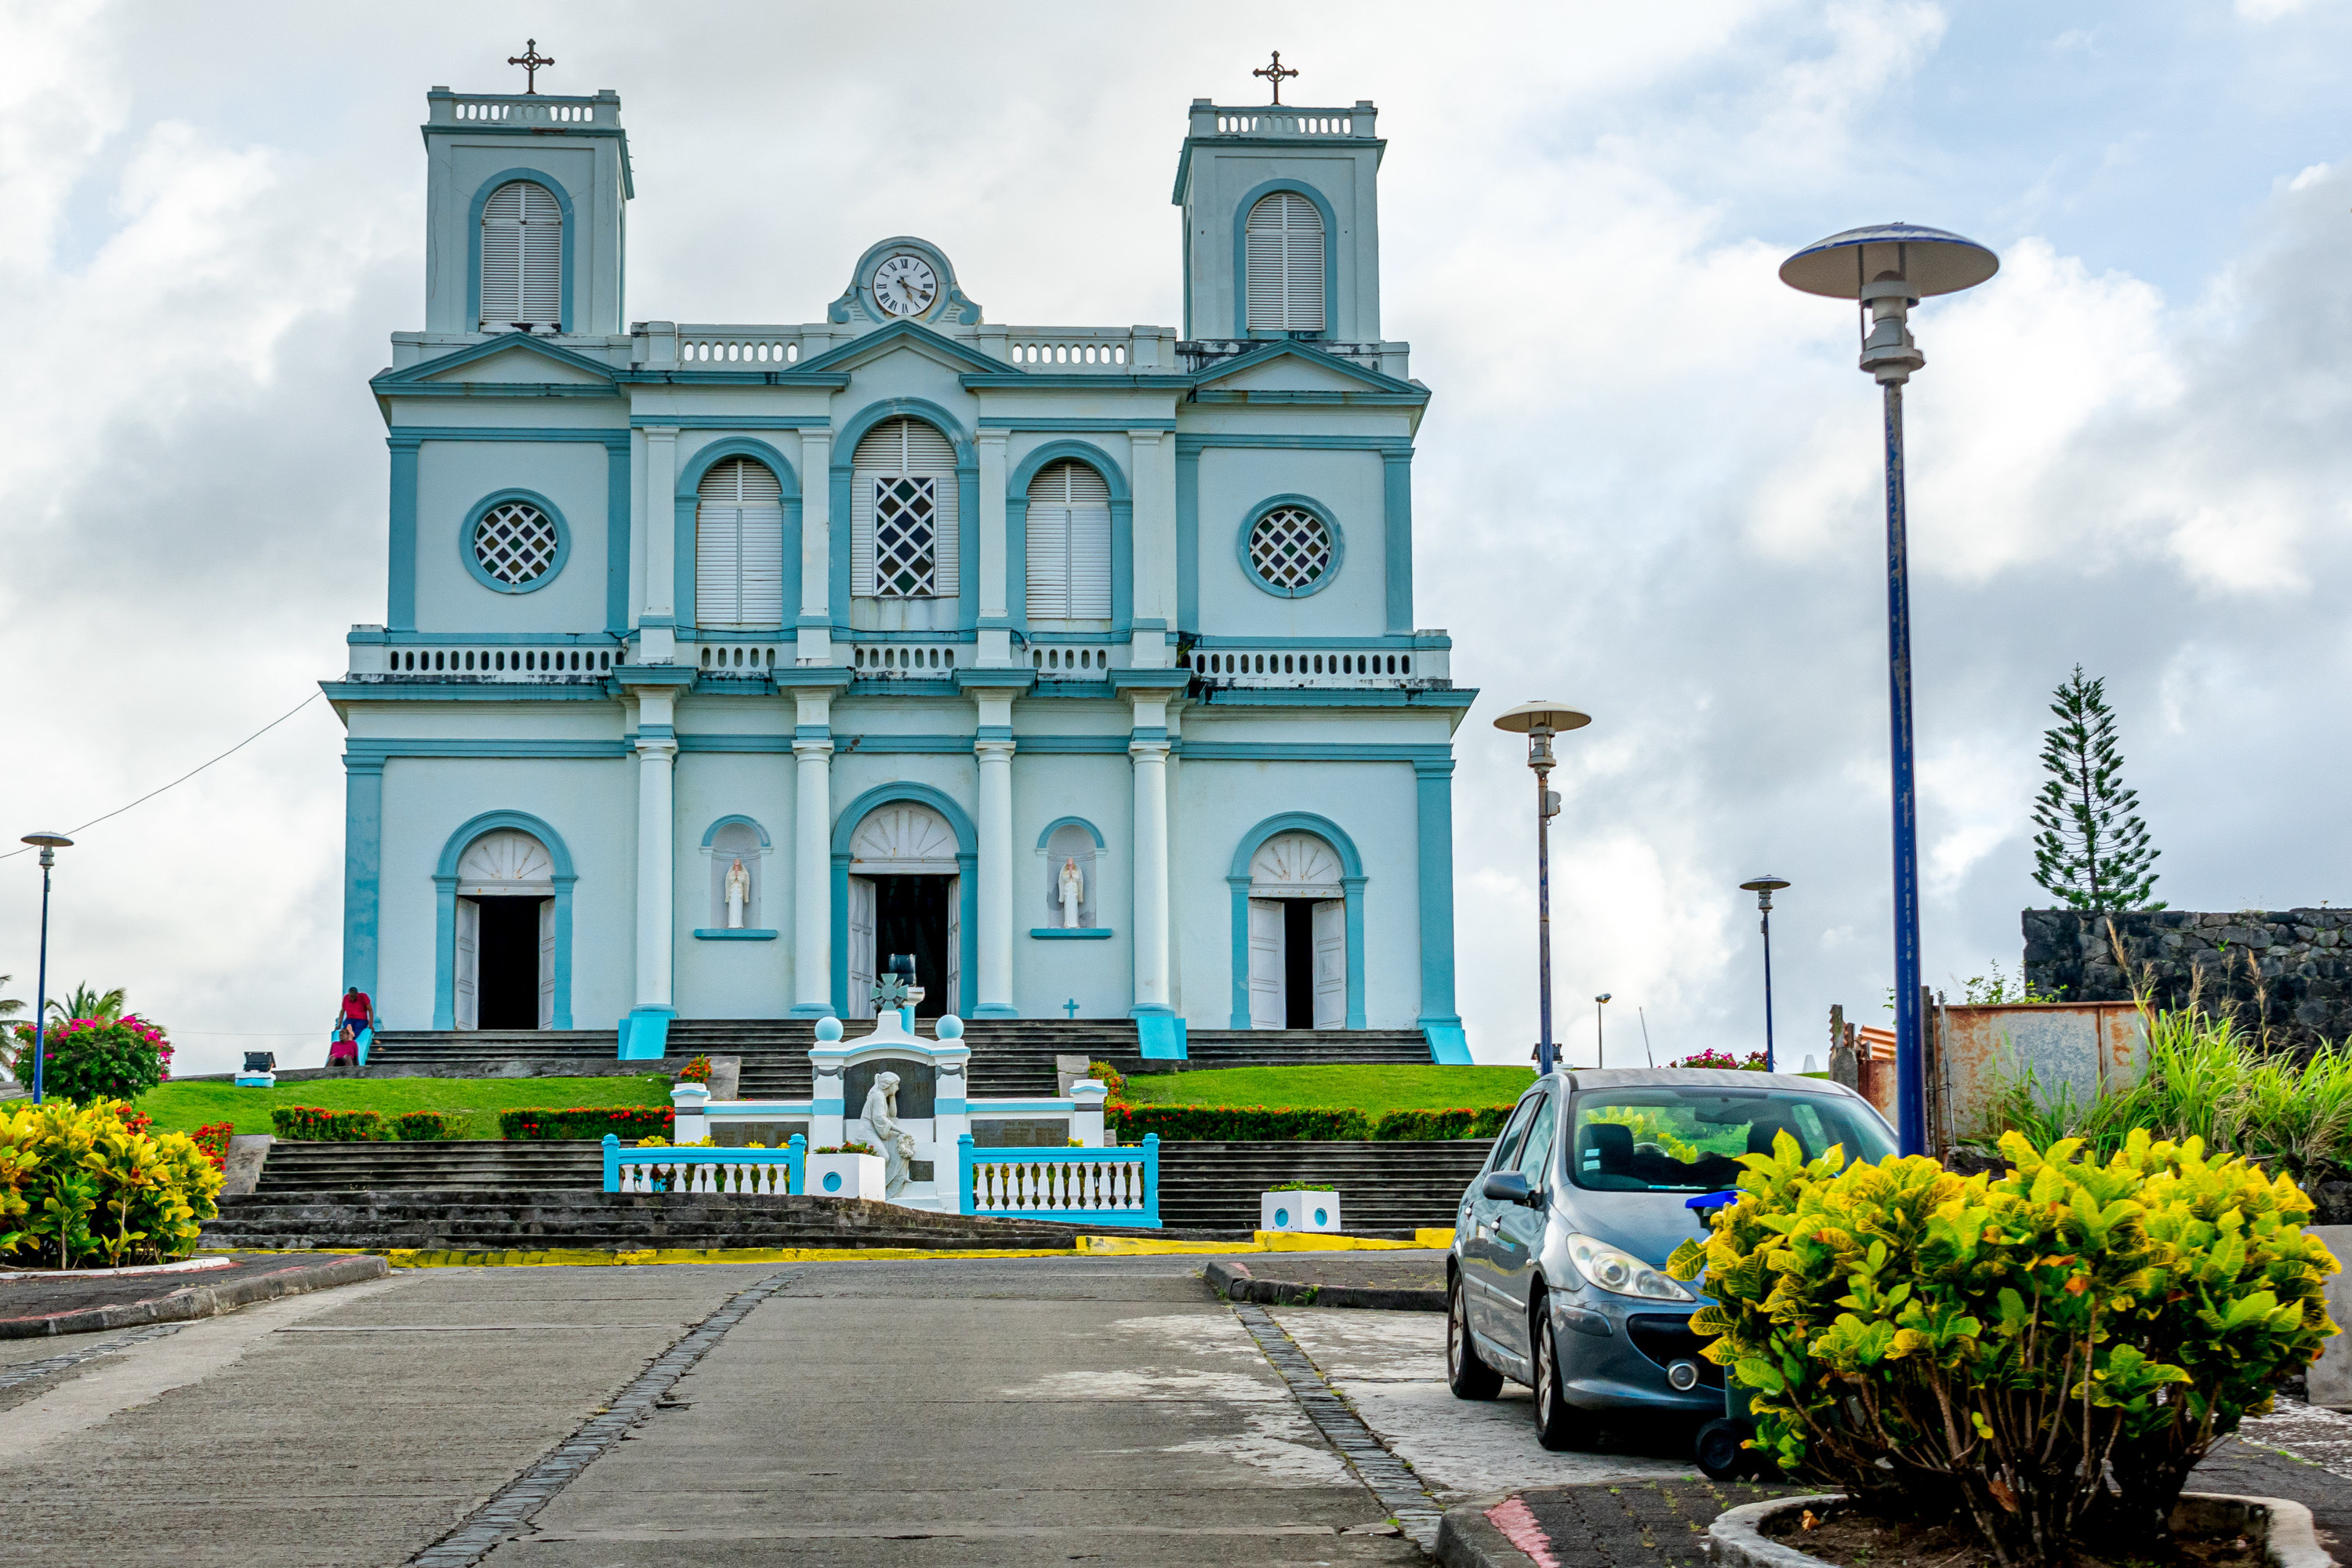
{"x": 739, "y": 893}
{"x": 1073, "y": 887}
{"x": 897, "y": 1145}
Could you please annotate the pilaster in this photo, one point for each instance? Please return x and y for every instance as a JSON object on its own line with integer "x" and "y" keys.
{"x": 658, "y": 618}
{"x": 816, "y": 622}
{"x": 813, "y": 856}
{"x": 995, "y": 563}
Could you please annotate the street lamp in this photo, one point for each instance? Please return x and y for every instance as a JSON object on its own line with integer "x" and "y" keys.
{"x": 1539, "y": 721}
{"x": 1764, "y": 887}
{"x": 48, "y": 844}
{"x": 1888, "y": 270}
{"x": 1599, "y": 1046}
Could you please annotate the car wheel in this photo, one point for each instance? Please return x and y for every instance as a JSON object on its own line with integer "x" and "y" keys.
{"x": 1559, "y": 1426}
{"x": 1465, "y": 1374}
{"x": 1719, "y": 1455}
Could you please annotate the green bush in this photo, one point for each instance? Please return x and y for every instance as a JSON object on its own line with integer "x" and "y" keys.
{"x": 317, "y": 1124}
{"x": 88, "y": 1185}
{"x": 1999, "y": 1348}
{"x": 89, "y": 1059}
{"x": 428, "y": 1126}
{"x": 1428, "y": 1126}
{"x": 627, "y": 1121}
{"x": 1241, "y": 1124}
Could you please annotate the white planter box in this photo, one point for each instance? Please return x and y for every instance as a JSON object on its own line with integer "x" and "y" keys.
{"x": 1299, "y": 1210}
{"x": 844, "y": 1176}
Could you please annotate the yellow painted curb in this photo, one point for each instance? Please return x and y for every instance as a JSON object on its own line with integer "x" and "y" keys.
{"x": 1155, "y": 1247}
{"x": 588, "y": 1257}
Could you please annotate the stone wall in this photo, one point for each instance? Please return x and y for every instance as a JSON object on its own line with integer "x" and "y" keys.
{"x": 2287, "y": 969}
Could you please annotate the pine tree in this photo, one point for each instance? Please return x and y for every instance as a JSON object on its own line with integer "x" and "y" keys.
{"x": 2090, "y": 848}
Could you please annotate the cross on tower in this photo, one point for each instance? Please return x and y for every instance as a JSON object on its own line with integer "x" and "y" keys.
{"x": 1071, "y": 1007}
{"x": 534, "y": 62}
{"x": 1276, "y": 73}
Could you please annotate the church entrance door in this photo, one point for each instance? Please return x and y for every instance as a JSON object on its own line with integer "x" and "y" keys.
{"x": 906, "y": 896}
{"x": 1297, "y": 936}
{"x": 504, "y": 976}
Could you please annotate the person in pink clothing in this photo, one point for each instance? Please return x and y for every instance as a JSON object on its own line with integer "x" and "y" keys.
{"x": 356, "y": 1017}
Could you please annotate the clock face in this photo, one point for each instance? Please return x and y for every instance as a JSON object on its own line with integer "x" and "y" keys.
{"x": 905, "y": 285}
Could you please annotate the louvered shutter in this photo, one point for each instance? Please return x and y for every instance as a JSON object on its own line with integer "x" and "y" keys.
{"x": 522, "y": 258}
{"x": 1283, "y": 254}
{"x": 897, "y": 449}
{"x": 1069, "y": 544}
{"x": 738, "y": 546}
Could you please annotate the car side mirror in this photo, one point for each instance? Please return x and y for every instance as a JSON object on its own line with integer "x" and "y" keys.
{"x": 1507, "y": 1187}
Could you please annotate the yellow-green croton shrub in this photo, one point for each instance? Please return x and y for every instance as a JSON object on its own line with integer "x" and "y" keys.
{"x": 2041, "y": 1351}
{"x": 90, "y": 1186}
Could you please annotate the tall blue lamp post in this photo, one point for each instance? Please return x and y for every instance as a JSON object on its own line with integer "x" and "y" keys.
{"x": 1764, "y": 887}
{"x": 1888, "y": 270}
{"x": 1539, "y": 721}
{"x": 48, "y": 844}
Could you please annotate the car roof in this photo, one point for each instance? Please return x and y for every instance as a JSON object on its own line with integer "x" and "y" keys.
{"x": 1701, "y": 1078}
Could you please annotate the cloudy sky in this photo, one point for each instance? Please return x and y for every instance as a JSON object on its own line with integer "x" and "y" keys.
{"x": 1647, "y": 484}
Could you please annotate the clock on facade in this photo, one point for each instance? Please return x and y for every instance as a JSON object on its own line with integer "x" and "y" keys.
{"x": 905, "y": 285}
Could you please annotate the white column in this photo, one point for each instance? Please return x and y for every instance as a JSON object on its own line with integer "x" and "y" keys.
{"x": 812, "y": 876}
{"x": 995, "y": 640}
{"x": 657, "y": 639}
{"x": 1153, "y": 550}
{"x": 1150, "y": 758}
{"x": 995, "y": 900}
{"x": 656, "y": 752}
{"x": 816, "y": 548}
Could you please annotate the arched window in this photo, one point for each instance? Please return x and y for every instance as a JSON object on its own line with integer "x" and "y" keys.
{"x": 523, "y": 258}
{"x": 902, "y": 538}
{"x": 1284, "y": 249}
{"x": 738, "y": 546}
{"x": 1069, "y": 544}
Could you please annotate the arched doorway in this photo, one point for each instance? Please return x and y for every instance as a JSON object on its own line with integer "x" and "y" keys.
{"x": 906, "y": 896}
{"x": 503, "y": 976}
{"x": 1297, "y": 935}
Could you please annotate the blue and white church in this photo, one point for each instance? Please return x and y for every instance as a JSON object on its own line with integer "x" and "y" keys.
{"x": 721, "y": 663}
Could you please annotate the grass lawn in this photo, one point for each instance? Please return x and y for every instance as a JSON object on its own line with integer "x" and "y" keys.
{"x": 1372, "y": 1089}
{"x": 184, "y": 1107}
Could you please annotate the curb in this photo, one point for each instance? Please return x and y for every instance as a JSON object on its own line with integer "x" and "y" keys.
{"x": 1237, "y": 1283}
{"x": 1735, "y": 1539}
{"x": 199, "y": 1300}
{"x": 1467, "y": 1538}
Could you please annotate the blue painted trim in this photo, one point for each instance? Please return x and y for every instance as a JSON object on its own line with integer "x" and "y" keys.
{"x": 950, "y": 306}
{"x": 1433, "y": 800}
{"x": 556, "y": 435}
{"x": 1448, "y": 1045}
{"x": 1198, "y": 441}
{"x": 969, "y": 1156}
{"x": 1160, "y": 1037}
{"x": 1396, "y": 537}
{"x": 845, "y": 827}
{"x": 1303, "y": 503}
{"x": 1122, "y": 531}
{"x": 1351, "y": 885}
{"x": 644, "y": 1035}
{"x": 840, "y": 478}
{"x": 554, "y": 187}
{"x": 362, "y": 871}
{"x": 400, "y": 591}
{"x": 1064, "y": 933}
{"x": 445, "y": 921}
{"x": 1385, "y": 389}
{"x": 1310, "y": 751}
{"x": 617, "y": 538}
{"x": 1315, "y": 697}
{"x": 687, "y": 421}
{"x": 378, "y": 750}
{"x": 500, "y": 498}
{"x": 1188, "y": 534}
{"x": 733, "y": 934}
{"x": 1061, "y": 822}
{"x": 420, "y": 691}
{"x": 711, "y": 835}
{"x": 1241, "y": 255}
{"x": 1102, "y": 427}
{"x": 686, "y": 503}
{"x": 1386, "y": 643}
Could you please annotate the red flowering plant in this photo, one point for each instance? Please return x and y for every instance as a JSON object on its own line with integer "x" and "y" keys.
{"x": 696, "y": 1071}
{"x": 1752, "y": 1062}
{"x": 98, "y": 1059}
{"x": 211, "y": 1140}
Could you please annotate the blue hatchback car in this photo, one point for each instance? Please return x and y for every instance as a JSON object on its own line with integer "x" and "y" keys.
{"x": 1557, "y": 1278}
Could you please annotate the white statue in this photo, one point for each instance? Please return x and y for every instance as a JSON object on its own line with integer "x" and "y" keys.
{"x": 739, "y": 893}
{"x": 898, "y": 1146}
{"x": 1074, "y": 892}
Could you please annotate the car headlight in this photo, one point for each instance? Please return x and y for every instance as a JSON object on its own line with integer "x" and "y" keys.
{"x": 1619, "y": 1272}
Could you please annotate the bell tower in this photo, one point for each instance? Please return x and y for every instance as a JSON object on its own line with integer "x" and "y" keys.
{"x": 1282, "y": 233}
{"x": 525, "y": 213}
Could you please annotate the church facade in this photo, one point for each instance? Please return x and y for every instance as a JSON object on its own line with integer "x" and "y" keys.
{"x": 721, "y": 663}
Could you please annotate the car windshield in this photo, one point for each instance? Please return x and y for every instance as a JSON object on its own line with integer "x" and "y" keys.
{"x": 1689, "y": 1140}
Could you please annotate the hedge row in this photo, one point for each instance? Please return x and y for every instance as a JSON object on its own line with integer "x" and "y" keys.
{"x": 1252, "y": 1123}
{"x": 629, "y": 1122}
{"x": 317, "y": 1124}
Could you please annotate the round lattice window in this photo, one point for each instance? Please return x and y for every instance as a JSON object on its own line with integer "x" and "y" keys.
{"x": 516, "y": 544}
{"x": 1290, "y": 549}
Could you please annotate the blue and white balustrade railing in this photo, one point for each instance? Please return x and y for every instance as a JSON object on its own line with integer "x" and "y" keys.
{"x": 1088, "y": 1186}
{"x": 725, "y": 1172}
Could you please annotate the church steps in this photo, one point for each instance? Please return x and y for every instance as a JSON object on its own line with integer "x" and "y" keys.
{"x": 1382, "y": 1187}
{"x": 1209, "y": 1049}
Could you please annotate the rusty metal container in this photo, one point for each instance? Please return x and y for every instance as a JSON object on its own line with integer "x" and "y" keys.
{"x": 2089, "y": 1047}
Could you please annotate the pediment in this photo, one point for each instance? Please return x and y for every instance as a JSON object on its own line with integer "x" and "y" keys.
{"x": 509, "y": 357}
{"x": 517, "y": 363}
{"x": 1297, "y": 367}
{"x": 903, "y": 337}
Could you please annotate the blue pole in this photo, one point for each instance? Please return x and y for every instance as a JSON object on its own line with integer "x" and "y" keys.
{"x": 1910, "y": 1080}
{"x": 1770, "y": 1063}
{"x": 41, "y": 980}
{"x": 1544, "y": 1053}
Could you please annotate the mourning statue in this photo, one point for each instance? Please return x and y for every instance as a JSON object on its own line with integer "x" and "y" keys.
{"x": 897, "y": 1145}
{"x": 739, "y": 893}
{"x": 1073, "y": 892}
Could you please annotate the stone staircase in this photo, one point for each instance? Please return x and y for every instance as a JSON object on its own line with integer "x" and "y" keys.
{"x": 1207, "y": 1048}
{"x": 1382, "y": 1187}
{"x": 485, "y": 1165}
{"x": 499, "y": 1053}
{"x": 495, "y": 1220}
